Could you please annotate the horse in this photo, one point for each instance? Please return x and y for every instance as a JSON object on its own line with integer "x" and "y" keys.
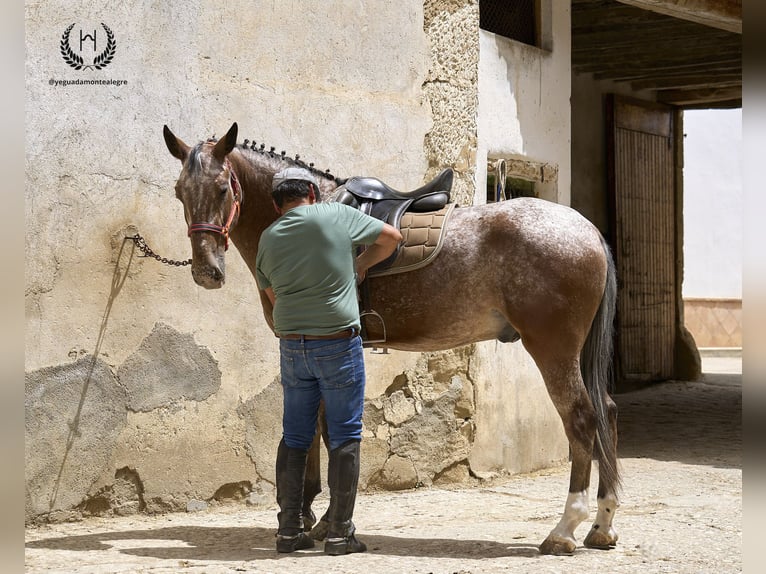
{"x": 523, "y": 269}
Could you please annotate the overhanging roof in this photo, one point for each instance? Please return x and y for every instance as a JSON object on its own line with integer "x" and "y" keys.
{"x": 662, "y": 46}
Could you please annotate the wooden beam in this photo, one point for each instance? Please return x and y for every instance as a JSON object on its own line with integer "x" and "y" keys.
{"x": 722, "y": 14}
{"x": 710, "y": 97}
{"x": 685, "y": 82}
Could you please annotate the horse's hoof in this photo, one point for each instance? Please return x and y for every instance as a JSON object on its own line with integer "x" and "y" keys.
{"x": 600, "y": 539}
{"x": 558, "y": 546}
{"x": 319, "y": 532}
{"x": 309, "y": 519}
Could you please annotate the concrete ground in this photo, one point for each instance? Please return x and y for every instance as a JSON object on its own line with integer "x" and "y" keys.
{"x": 681, "y": 511}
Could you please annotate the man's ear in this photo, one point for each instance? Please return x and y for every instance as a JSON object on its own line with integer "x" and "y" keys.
{"x": 176, "y": 147}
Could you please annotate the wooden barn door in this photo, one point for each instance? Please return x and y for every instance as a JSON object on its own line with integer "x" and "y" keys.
{"x": 643, "y": 235}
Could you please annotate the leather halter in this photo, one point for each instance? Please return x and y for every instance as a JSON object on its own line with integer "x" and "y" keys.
{"x": 236, "y": 191}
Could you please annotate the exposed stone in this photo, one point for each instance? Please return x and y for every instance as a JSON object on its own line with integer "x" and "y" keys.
{"x": 467, "y": 429}
{"x": 457, "y": 473}
{"x": 374, "y": 453}
{"x": 233, "y": 491}
{"x": 157, "y": 505}
{"x": 166, "y": 368}
{"x": 432, "y": 440}
{"x": 397, "y": 408}
{"x": 60, "y": 516}
{"x": 443, "y": 365}
{"x": 465, "y": 405}
{"x": 400, "y": 383}
{"x": 398, "y": 473}
{"x": 73, "y": 416}
{"x": 128, "y": 508}
{"x": 262, "y": 495}
{"x": 259, "y": 499}
{"x": 196, "y": 506}
{"x": 123, "y": 497}
{"x": 373, "y": 415}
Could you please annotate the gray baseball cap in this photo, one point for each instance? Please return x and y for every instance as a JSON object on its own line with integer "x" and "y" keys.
{"x": 289, "y": 173}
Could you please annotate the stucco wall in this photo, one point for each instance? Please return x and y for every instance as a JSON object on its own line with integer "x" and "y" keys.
{"x": 307, "y": 78}
{"x": 146, "y": 392}
{"x": 524, "y": 109}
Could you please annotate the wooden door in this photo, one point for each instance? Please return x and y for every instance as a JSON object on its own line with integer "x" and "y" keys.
{"x": 643, "y": 235}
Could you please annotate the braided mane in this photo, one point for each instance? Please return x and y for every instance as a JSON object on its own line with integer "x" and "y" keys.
{"x": 291, "y": 161}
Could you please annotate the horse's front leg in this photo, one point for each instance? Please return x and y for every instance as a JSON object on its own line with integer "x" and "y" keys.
{"x": 312, "y": 483}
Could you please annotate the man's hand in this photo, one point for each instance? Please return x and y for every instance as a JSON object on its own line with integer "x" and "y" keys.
{"x": 384, "y": 246}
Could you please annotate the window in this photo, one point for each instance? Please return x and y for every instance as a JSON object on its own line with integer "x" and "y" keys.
{"x": 514, "y": 19}
{"x": 512, "y": 177}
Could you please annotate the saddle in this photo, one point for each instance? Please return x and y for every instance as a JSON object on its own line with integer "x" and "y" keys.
{"x": 373, "y": 197}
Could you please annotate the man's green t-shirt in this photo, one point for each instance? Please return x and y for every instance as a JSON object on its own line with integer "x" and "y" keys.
{"x": 307, "y": 257}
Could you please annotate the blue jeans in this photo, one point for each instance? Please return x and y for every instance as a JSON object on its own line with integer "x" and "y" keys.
{"x": 329, "y": 369}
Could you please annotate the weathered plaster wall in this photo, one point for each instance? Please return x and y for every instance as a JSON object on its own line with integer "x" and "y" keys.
{"x": 524, "y": 107}
{"x": 148, "y": 393}
{"x": 340, "y": 83}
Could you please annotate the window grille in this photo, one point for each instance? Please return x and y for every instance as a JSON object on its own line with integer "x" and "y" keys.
{"x": 514, "y": 19}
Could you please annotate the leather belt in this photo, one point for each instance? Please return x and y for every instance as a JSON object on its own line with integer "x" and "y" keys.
{"x": 346, "y": 334}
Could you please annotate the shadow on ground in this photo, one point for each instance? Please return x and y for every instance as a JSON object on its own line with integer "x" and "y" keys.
{"x": 691, "y": 422}
{"x": 256, "y": 543}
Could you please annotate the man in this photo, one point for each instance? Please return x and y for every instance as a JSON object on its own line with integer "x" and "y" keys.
{"x": 307, "y": 268}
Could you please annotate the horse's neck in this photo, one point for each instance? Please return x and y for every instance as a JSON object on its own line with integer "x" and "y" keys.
{"x": 257, "y": 211}
{"x": 255, "y": 172}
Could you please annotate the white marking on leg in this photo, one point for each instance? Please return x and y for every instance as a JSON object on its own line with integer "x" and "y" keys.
{"x": 575, "y": 511}
{"x": 605, "y": 514}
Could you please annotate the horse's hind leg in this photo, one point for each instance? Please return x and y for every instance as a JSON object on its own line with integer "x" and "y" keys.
{"x": 602, "y": 535}
{"x": 312, "y": 482}
{"x": 570, "y": 397}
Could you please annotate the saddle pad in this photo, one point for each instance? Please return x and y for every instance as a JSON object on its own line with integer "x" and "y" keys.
{"x": 422, "y": 239}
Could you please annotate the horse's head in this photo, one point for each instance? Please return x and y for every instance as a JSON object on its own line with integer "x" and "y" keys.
{"x": 210, "y": 193}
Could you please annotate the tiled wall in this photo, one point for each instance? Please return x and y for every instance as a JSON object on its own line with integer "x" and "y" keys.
{"x": 714, "y": 322}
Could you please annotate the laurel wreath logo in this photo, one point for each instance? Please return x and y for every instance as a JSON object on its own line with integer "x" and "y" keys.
{"x": 76, "y": 61}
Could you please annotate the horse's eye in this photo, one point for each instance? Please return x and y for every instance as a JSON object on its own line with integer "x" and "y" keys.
{"x": 223, "y": 189}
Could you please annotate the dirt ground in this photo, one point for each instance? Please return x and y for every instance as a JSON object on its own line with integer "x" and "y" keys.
{"x": 681, "y": 512}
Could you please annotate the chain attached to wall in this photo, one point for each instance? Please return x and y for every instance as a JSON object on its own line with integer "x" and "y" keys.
{"x": 142, "y": 246}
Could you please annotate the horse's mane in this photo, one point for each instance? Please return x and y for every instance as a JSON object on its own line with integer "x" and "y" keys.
{"x": 271, "y": 156}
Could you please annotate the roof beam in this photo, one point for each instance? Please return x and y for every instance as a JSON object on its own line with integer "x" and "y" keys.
{"x": 722, "y": 14}
{"x": 724, "y": 97}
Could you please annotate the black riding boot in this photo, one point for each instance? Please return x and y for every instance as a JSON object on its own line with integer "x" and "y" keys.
{"x": 343, "y": 477}
{"x": 290, "y": 470}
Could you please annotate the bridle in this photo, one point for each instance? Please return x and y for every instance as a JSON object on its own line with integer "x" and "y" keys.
{"x": 236, "y": 190}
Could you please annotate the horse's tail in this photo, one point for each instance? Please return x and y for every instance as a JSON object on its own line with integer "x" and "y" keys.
{"x": 596, "y": 369}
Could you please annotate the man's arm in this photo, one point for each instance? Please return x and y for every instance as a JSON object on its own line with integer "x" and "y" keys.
{"x": 267, "y": 303}
{"x": 384, "y": 246}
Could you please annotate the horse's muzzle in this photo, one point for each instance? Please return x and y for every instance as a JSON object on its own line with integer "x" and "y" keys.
{"x": 209, "y": 276}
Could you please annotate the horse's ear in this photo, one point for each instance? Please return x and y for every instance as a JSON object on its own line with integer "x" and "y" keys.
{"x": 226, "y": 143}
{"x": 176, "y": 147}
